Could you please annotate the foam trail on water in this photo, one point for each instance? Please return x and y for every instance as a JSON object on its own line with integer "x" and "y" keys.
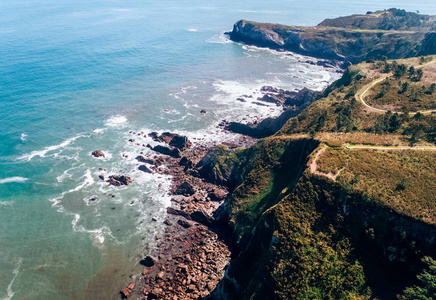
{"x": 15, "y": 272}
{"x": 42, "y": 153}
{"x": 219, "y": 39}
{"x": 88, "y": 181}
{"x": 66, "y": 173}
{"x": 23, "y": 136}
{"x": 13, "y": 179}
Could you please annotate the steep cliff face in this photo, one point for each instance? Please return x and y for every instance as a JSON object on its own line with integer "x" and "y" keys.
{"x": 320, "y": 238}
{"x": 277, "y": 36}
{"x": 354, "y": 39}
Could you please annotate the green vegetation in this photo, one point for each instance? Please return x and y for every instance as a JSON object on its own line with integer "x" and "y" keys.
{"x": 339, "y": 112}
{"x": 316, "y": 259}
{"x": 391, "y": 182}
{"x": 427, "y": 288}
{"x": 274, "y": 165}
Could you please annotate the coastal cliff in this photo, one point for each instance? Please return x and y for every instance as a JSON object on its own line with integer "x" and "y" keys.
{"x": 392, "y": 33}
{"x": 313, "y": 216}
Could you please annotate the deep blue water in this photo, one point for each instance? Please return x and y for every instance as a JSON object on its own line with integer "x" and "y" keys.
{"x": 76, "y": 76}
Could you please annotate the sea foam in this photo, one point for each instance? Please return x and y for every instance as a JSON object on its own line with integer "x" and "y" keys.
{"x": 13, "y": 179}
{"x": 115, "y": 121}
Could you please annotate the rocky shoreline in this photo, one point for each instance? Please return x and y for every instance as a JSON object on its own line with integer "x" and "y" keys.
{"x": 194, "y": 251}
{"x": 191, "y": 255}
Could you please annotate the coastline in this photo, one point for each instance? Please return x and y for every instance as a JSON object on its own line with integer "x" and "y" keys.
{"x": 192, "y": 254}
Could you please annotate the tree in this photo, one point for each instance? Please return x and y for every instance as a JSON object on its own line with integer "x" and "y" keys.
{"x": 404, "y": 87}
{"x": 426, "y": 290}
{"x": 399, "y": 71}
{"x": 431, "y": 89}
{"x": 419, "y": 74}
{"x": 411, "y": 71}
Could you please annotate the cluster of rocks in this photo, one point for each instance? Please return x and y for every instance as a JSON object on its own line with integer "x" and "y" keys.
{"x": 190, "y": 263}
{"x": 115, "y": 180}
{"x": 119, "y": 180}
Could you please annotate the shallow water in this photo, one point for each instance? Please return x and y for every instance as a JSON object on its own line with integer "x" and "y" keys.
{"x": 77, "y": 76}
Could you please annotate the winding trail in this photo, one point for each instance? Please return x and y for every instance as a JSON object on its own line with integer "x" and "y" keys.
{"x": 361, "y": 94}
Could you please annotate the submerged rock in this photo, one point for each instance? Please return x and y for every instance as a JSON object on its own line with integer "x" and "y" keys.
{"x": 145, "y": 169}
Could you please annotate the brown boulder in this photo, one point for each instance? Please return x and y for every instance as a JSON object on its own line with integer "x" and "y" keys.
{"x": 161, "y": 275}
{"x": 98, "y": 153}
{"x": 184, "y": 223}
{"x": 126, "y": 293}
{"x": 119, "y": 180}
{"x": 217, "y": 195}
{"x": 177, "y": 212}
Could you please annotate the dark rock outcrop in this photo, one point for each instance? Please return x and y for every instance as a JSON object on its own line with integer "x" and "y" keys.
{"x": 202, "y": 217}
{"x": 148, "y": 261}
{"x": 295, "y": 102}
{"x": 145, "y": 169}
{"x": 185, "y": 189}
{"x": 174, "y": 152}
{"x": 180, "y": 142}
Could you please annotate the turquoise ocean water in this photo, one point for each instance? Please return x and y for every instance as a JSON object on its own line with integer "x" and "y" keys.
{"x": 76, "y": 76}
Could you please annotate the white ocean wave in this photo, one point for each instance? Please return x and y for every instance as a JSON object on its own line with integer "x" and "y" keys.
{"x": 219, "y": 39}
{"x": 13, "y": 179}
{"x": 116, "y": 120}
{"x": 42, "y": 153}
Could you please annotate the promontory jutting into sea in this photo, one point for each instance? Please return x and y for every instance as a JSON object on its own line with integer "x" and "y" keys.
{"x": 219, "y": 150}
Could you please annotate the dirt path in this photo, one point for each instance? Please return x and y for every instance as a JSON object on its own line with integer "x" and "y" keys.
{"x": 389, "y": 147}
{"x": 314, "y": 167}
{"x": 360, "y": 95}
